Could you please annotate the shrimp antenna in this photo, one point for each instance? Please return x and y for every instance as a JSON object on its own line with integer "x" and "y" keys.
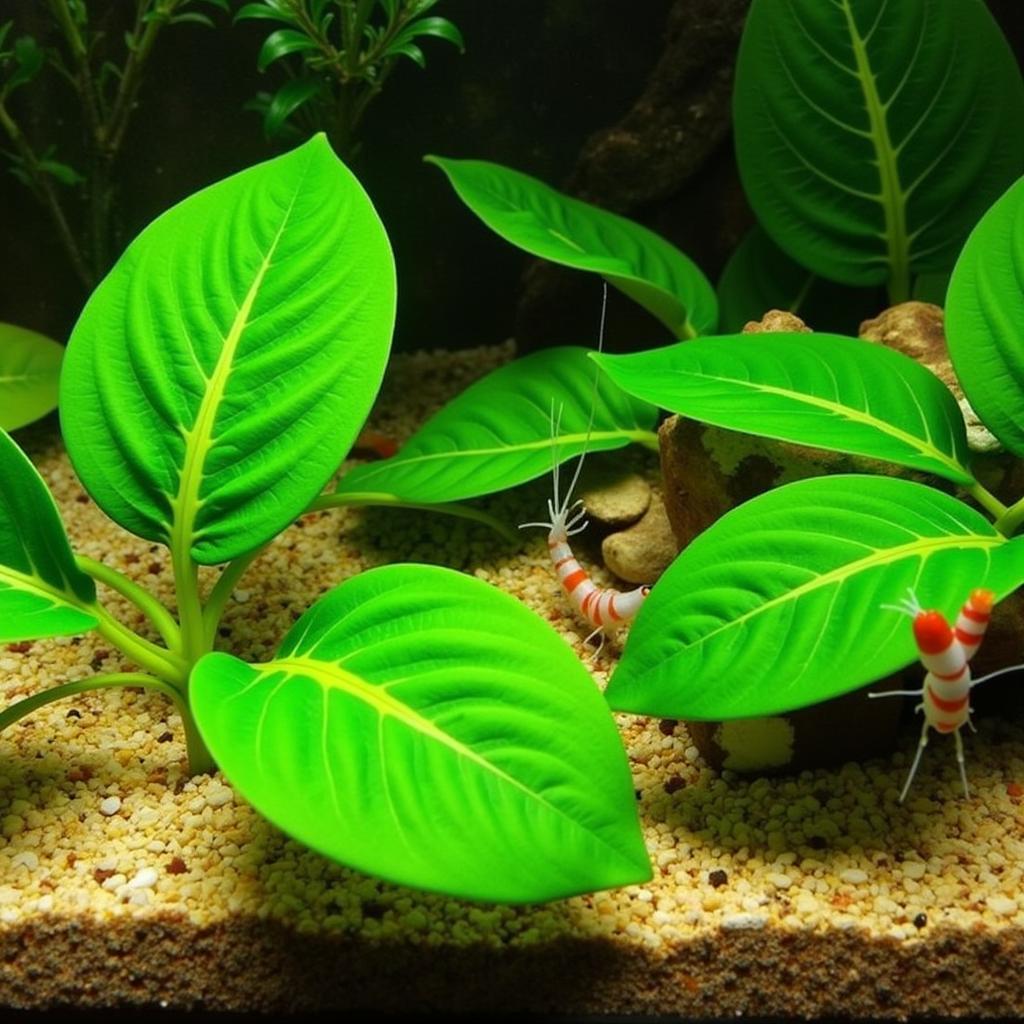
{"x": 908, "y": 606}
{"x": 563, "y": 507}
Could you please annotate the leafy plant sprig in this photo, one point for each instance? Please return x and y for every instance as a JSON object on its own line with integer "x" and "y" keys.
{"x": 411, "y": 723}
{"x": 105, "y": 81}
{"x": 337, "y": 55}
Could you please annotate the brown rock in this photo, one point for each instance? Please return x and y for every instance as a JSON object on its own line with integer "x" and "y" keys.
{"x": 644, "y": 551}
{"x": 774, "y": 321}
{"x": 613, "y": 498}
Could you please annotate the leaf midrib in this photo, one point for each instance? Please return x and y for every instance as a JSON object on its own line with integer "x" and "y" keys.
{"x": 893, "y": 197}
{"x": 20, "y": 378}
{"x": 921, "y": 546}
{"x": 370, "y": 470}
{"x": 199, "y": 439}
{"x": 332, "y": 676}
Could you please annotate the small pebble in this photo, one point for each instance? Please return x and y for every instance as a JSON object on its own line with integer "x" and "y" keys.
{"x": 744, "y": 922}
{"x": 853, "y": 876}
{"x": 1001, "y": 905}
{"x": 144, "y": 879}
{"x": 717, "y": 878}
{"x": 110, "y": 805}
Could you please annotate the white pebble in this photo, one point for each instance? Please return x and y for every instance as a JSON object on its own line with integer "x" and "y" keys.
{"x": 854, "y": 876}
{"x": 144, "y": 879}
{"x": 780, "y": 881}
{"x": 914, "y": 869}
{"x": 241, "y": 596}
{"x": 1002, "y": 905}
{"x": 111, "y": 805}
{"x": 219, "y": 796}
{"x": 114, "y": 882}
{"x": 26, "y": 858}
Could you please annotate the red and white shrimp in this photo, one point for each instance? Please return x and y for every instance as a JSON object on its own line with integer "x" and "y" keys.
{"x": 605, "y": 608}
{"x": 945, "y": 651}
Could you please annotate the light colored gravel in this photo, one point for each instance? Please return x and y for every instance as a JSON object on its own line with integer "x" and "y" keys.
{"x": 101, "y": 822}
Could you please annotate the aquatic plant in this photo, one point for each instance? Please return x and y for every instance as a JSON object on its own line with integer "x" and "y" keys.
{"x": 869, "y": 138}
{"x": 337, "y": 55}
{"x": 412, "y": 723}
{"x": 776, "y": 605}
{"x": 29, "y": 375}
{"x": 104, "y": 71}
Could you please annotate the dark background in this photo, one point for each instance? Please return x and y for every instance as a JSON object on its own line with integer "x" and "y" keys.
{"x": 545, "y": 86}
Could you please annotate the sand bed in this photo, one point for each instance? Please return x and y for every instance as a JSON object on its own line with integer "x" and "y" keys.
{"x": 122, "y": 880}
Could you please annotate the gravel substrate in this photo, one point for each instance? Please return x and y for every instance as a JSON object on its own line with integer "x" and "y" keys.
{"x": 123, "y": 881}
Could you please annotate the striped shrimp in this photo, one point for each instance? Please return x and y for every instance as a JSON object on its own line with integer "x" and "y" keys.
{"x": 945, "y": 651}
{"x": 604, "y": 608}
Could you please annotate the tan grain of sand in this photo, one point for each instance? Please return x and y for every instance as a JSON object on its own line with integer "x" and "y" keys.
{"x": 802, "y": 895}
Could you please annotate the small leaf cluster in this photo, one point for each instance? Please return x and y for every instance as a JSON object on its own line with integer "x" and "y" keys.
{"x": 337, "y": 55}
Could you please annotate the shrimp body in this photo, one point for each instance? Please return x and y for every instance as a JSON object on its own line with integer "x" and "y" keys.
{"x": 945, "y": 651}
{"x": 603, "y": 607}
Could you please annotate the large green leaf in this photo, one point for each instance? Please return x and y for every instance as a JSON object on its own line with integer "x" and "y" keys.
{"x": 822, "y": 390}
{"x": 497, "y": 433}
{"x": 872, "y": 134}
{"x": 985, "y": 319}
{"x": 760, "y": 276}
{"x": 556, "y": 227}
{"x": 29, "y": 375}
{"x": 42, "y": 592}
{"x": 777, "y": 605}
{"x": 223, "y": 368}
{"x": 423, "y": 726}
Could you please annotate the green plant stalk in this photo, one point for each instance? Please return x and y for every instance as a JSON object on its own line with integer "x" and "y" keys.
{"x": 990, "y": 503}
{"x": 1011, "y": 519}
{"x": 199, "y": 758}
{"x": 157, "y": 614}
{"x": 47, "y": 196}
{"x": 168, "y": 666}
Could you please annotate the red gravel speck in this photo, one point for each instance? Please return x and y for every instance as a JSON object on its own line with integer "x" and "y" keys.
{"x": 718, "y": 878}
{"x": 177, "y": 867}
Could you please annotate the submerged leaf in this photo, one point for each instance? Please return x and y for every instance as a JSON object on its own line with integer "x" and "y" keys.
{"x": 222, "y": 369}
{"x": 871, "y": 135}
{"x": 423, "y": 726}
{"x": 985, "y": 319}
{"x": 29, "y": 376}
{"x": 42, "y": 591}
{"x": 556, "y": 227}
{"x": 778, "y": 604}
{"x": 822, "y": 390}
{"x": 498, "y": 432}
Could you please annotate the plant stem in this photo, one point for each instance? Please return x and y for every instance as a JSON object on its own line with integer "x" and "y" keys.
{"x": 167, "y": 665}
{"x": 190, "y": 608}
{"x": 46, "y": 194}
{"x": 988, "y": 501}
{"x": 157, "y": 614}
{"x": 199, "y": 757}
{"x": 1009, "y": 522}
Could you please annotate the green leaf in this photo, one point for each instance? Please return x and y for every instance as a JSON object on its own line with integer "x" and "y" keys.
{"x": 223, "y": 368}
{"x": 280, "y": 43}
{"x": 985, "y": 319}
{"x": 777, "y": 605}
{"x": 290, "y": 97}
{"x": 29, "y": 58}
{"x": 760, "y": 276}
{"x": 410, "y": 50}
{"x": 871, "y": 135}
{"x": 42, "y": 592}
{"x": 822, "y": 390}
{"x": 268, "y": 10}
{"x": 64, "y": 173}
{"x": 932, "y": 287}
{"x": 29, "y": 376}
{"x": 556, "y": 227}
{"x": 497, "y": 433}
{"x": 427, "y": 728}
{"x": 440, "y": 28}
